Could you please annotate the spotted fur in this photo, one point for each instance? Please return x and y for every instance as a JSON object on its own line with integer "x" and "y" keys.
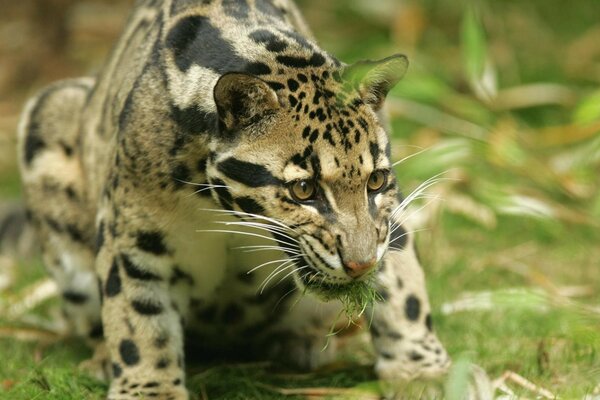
{"x": 202, "y": 119}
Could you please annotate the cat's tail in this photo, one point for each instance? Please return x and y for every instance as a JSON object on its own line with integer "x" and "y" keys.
{"x": 17, "y": 237}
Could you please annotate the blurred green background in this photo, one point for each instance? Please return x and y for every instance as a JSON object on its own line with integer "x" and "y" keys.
{"x": 502, "y": 97}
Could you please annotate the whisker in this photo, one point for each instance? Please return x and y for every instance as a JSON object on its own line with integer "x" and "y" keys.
{"x": 412, "y": 155}
{"x": 205, "y": 186}
{"x": 235, "y": 232}
{"x": 285, "y": 277}
{"x": 255, "y": 225}
{"x": 272, "y": 248}
{"x": 390, "y": 246}
{"x": 282, "y": 260}
{"x": 276, "y": 272}
{"x": 245, "y": 214}
{"x": 264, "y": 247}
{"x": 316, "y": 275}
{"x": 209, "y": 185}
{"x": 402, "y": 219}
{"x": 294, "y": 288}
{"x": 421, "y": 188}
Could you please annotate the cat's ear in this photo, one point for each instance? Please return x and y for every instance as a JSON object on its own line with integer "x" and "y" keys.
{"x": 375, "y": 79}
{"x": 243, "y": 100}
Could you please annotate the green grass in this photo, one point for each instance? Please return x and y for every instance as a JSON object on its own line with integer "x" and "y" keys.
{"x": 355, "y": 297}
{"x": 34, "y": 371}
{"x": 517, "y": 233}
{"x": 526, "y": 331}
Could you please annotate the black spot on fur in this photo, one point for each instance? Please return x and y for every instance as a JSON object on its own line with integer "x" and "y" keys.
{"x": 306, "y": 132}
{"x": 384, "y": 294}
{"x": 414, "y": 356}
{"x": 147, "y": 307}
{"x": 33, "y": 141}
{"x": 97, "y": 331}
{"x": 71, "y": 194}
{"x": 327, "y": 136}
{"x": 193, "y": 121}
{"x": 315, "y": 61}
{"x": 276, "y": 85}
{"x": 429, "y": 322}
{"x": 116, "y": 370}
{"x": 249, "y": 205}
{"x": 395, "y": 335}
{"x": 301, "y": 159}
{"x": 236, "y": 8}
{"x": 75, "y": 297}
{"x": 258, "y": 68}
{"x": 113, "y": 283}
{"x": 161, "y": 341}
{"x": 126, "y": 111}
{"x": 130, "y": 354}
{"x": 151, "y": 242}
{"x": 100, "y": 292}
{"x": 387, "y": 356}
{"x": 194, "y": 40}
{"x": 162, "y": 363}
{"x": 374, "y": 149}
{"x": 181, "y": 175}
{"x": 412, "y": 308}
{"x": 298, "y": 38}
{"x": 375, "y": 332}
{"x": 317, "y": 97}
{"x": 249, "y": 174}
{"x": 267, "y": 7}
{"x": 293, "y": 85}
{"x": 201, "y": 165}
{"x": 363, "y": 123}
{"x": 75, "y": 233}
{"x": 135, "y": 272}
{"x": 178, "y": 275}
{"x": 400, "y": 283}
{"x": 99, "y": 242}
{"x": 223, "y": 194}
{"x": 302, "y": 78}
{"x": 269, "y": 39}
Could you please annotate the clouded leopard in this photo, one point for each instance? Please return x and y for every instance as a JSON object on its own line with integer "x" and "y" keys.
{"x": 218, "y": 179}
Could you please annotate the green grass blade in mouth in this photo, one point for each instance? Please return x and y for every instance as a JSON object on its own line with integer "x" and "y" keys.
{"x": 355, "y": 296}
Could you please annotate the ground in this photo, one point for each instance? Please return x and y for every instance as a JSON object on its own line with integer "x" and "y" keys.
{"x": 502, "y": 97}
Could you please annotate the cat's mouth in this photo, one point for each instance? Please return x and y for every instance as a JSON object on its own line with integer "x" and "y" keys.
{"x": 330, "y": 288}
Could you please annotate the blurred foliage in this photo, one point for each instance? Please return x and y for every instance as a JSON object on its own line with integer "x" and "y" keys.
{"x": 502, "y": 98}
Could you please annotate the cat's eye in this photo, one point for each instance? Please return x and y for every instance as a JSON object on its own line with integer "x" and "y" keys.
{"x": 376, "y": 181}
{"x": 303, "y": 190}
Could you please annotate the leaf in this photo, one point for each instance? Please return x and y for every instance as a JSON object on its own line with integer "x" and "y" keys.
{"x": 472, "y": 209}
{"x": 480, "y": 70}
{"x": 474, "y": 45}
{"x": 588, "y": 110}
{"x": 457, "y": 384}
{"x": 566, "y": 134}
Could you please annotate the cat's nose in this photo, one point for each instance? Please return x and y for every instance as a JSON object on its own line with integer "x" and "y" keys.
{"x": 357, "y": 269}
